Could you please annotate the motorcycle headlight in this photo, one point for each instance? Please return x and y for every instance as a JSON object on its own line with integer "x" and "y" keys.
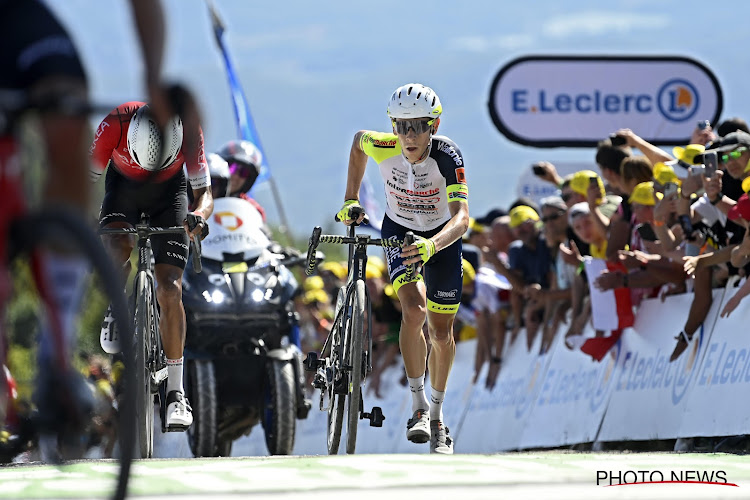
{"x": 257, "y": 295}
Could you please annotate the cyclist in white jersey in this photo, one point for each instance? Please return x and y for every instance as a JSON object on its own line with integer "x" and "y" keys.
{"x": 426, "y": 193}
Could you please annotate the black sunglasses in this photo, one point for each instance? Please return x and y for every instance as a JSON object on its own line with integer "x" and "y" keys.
{"x": 566, "y": 196}
{"x": 419, "y": 125}
{"x": 556, "y": 216}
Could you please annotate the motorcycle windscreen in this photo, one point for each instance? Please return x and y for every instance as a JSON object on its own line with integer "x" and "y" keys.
{"x": 235, "y": 228}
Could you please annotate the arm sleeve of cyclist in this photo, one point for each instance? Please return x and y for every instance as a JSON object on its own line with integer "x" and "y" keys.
{"x": 451, "y": 164}
{"x": 195, "y": 161}
{"x": 108, "y": 136}
{"x": 379, "y": 145}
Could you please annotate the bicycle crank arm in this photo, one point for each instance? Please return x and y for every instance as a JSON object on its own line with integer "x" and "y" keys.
{"x": 158, "y": 377}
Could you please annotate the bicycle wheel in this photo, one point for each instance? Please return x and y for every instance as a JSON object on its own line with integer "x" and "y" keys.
{"x": 50, "y": 226}
{"x": 336, "y": 401}
{"x": 353, "y": 357}
{"x": 143, "y": 343}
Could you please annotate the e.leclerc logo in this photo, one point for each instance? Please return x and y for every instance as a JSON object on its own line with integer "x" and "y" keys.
{"x": 677, "y": 100}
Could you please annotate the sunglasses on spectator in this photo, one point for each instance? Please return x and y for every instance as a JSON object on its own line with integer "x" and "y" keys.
{"x": 419, "y": 125}
{"x": 547, "y": 218}
{"x": 732, "y": 155}
{"x": 243, "y": 171}
{"x": 566, "y": 196}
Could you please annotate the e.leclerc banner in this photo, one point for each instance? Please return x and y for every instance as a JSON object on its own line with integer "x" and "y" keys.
{"x": 551, "y": 101}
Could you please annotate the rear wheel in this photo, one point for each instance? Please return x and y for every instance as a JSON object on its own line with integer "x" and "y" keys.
{"x": 336, "y": 402}
{"x": 280, "y": 409}
{"x": 145, "y": 401}
{"x": 202, "y": 396}
{"x": 354, "y": 359}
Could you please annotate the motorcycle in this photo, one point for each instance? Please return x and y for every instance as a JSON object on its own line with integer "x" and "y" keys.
{"x": 242, "y": 359}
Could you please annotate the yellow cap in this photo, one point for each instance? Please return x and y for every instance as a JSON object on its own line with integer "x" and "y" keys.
{"x": 377, "y": 263}
{"x": 664, "y": 173}
{"x": 475, "y": 226}
{"x": 372, "y": 271}
{"x": 644, "y": 194}
{"x": 469, "y": 272}
{"x": 319, "y": 296}
{"x": 746, "y": 184}
{"x": 521, "y": 214}
{"x": 338, "y": 269}
{"x": 688, "y": 153}
{"x": 581, "y": 180}
{"x": 313, "y": 283}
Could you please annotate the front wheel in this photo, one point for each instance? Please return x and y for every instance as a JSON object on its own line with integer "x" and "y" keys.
{"x": 280, "y": 411}
{"x": 354, "y": 346}
{"x": 201, "y": 391}
{"x": 145, "y": 403}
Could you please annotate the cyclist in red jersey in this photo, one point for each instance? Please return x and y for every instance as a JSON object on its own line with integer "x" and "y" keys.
{"x": 146, "y": 175}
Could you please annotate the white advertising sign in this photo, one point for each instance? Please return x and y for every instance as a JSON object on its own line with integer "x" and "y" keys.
{"x": 572, "y": 398}
{"x": 716, "y": 406}
{"x": 495, "y": 419}
{"x": 551, "y": 101}
{"x": 650, "y": 394}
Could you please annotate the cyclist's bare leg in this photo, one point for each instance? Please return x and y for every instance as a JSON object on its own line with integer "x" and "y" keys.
{"x": 119, "y": 247}
{"x": 172, "y": 320}
{"x": 443, "y": 352}
{"x": 411, "y": 339}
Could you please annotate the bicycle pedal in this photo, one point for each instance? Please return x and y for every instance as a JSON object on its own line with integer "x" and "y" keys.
{"x": 375, "y": 416}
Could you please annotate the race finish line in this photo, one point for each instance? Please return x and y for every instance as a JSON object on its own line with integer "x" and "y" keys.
{"x": 559, "y": 475}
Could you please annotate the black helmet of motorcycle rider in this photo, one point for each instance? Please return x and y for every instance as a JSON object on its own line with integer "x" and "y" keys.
{"x": 244, "y": 160}
{"x": 218, "y": 169}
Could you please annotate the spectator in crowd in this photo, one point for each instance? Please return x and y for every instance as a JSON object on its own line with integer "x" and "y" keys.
{"x": 633, "y": 171}
{"x": 609, "y": 159}
{"x": 740, "y": 253}
{"x": 529, "y": 263}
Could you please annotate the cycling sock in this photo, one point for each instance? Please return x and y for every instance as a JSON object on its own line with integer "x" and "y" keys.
{"x": 174, "y": 375}
{"x": 436, "y": 405}
{"x": 418, "y": 398}
{"x": 61, "y": 282}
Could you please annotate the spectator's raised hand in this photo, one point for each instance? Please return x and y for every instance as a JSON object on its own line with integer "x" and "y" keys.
{"x": 690, "y": 264}
{"x": 534, "y": 292}
{"x": 593, "y": 195}
{"x": 731, "y": 305}
{"x": 549, "y": 172}
{"x": 630, "y": 260}
{"x": 664, "y": 208}
{"x": 571, "y": 255}
{"x": 609, "y": 281}
{"x": 713, "y": 185}
{"x": 629, "y": 135}
{"x": 692, "y": 184}
{"x": 702, "y": 136}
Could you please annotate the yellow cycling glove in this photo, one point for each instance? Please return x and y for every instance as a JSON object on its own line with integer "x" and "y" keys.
{"x": 343, "y": 214}
{"x": 425, "y": 247}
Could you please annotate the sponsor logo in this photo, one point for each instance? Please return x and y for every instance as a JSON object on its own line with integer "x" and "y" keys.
{"x": 99, "y": 131}
{"x": 429, "y": 192}
{"x": 678, "y": 100}
{"x": 172, "y": 242}
{"x": 228, "y": 220}
{"x": 441, "y": 294}
{"x": 451, "y": 151}
{"x": 695, "y": 476}
{"x": 115, "y": 214}
{"x": 460, "y": 175}
{"x": 422, "y": 185}
{"x": 177, "y": 256}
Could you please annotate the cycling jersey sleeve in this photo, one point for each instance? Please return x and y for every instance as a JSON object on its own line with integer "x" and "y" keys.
{"x": 451, "y": 164}
{"x": 106, "y": 140}
{"x": 379, "y": 145}
{"x": 197, "y": 169}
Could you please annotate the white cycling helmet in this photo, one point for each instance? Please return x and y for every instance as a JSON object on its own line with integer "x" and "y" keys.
{"x": 218, "y": 169}
{"x": 244, "y": 159}
{"x": 414, "y": 100}
{"x": 151, "y": 149}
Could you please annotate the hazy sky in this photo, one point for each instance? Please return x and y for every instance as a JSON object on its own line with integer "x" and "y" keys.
{"x": 316, "y": 72}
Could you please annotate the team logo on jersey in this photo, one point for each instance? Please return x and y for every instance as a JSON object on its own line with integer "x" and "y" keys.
{"x": 451, "y": 151}
{"x": 460, "y": 175}
{"x": 383, "y": 144}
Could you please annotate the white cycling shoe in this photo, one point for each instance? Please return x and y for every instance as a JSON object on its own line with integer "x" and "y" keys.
{"x": 109, "y": 338}
{"x": 179, "y": 412}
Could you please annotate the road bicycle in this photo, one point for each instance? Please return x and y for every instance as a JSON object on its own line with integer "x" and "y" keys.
{"x": 150, "y": 360}
{"x": 25, "y": 232}
{"x": 345, "y": 360}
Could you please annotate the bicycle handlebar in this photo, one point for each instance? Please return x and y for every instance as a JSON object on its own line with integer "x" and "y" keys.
{"x": 316, "y": 238}
{"x": 147, "y": 231}
{"x": 354, "y": 213}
